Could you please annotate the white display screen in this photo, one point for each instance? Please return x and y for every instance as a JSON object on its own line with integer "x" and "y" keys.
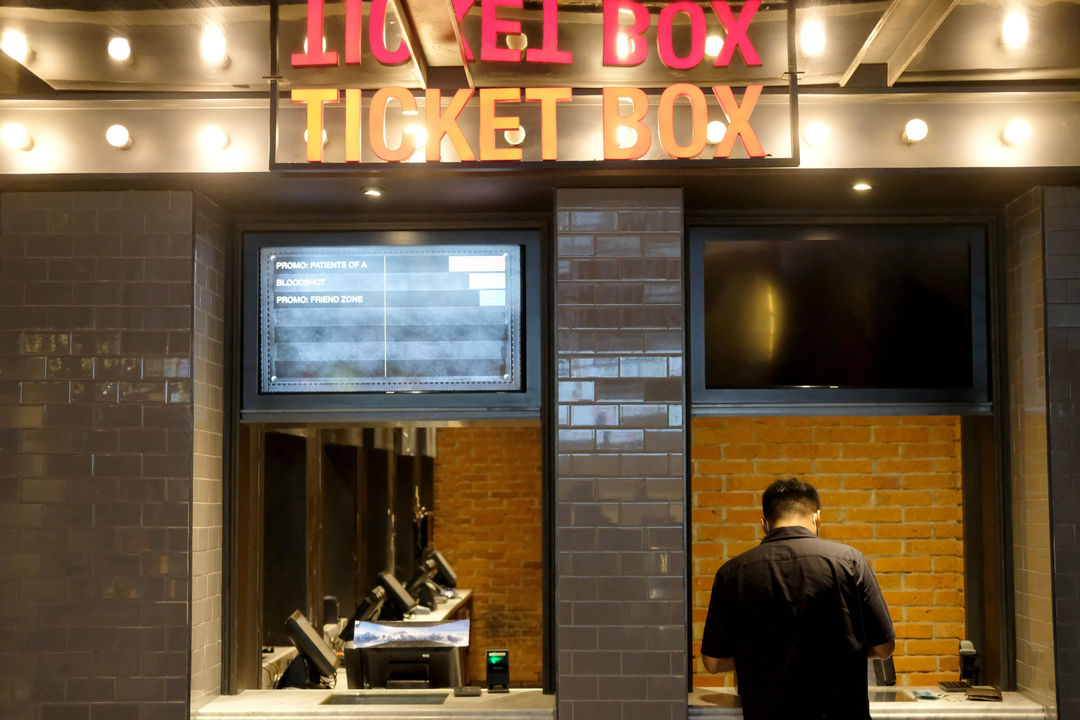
{"x": 379, "y": 319}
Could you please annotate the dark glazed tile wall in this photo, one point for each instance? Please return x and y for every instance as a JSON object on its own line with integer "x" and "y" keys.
{"x": 208, "y": 392}
{"x": 620, "y": 478}
{"x": 1029, "y": 476}
{"x": 1061, "y": 223}
{"x": 96, "y": 432}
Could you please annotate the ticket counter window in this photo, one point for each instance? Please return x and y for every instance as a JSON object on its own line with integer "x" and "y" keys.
{"x": 394, "y": 527}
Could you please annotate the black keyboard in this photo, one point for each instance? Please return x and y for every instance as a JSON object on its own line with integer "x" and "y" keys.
{"x": 956, "y": 686}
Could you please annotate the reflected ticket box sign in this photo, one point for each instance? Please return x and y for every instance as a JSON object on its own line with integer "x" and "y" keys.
{"x": 383, "y": 319}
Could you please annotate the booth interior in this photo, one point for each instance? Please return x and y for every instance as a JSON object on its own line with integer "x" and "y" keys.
{"x": 394, "y": 534}
{"x": 875, "y": 372}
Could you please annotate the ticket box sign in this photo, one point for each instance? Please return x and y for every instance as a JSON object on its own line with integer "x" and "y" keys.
{"x": 617, "y": 81}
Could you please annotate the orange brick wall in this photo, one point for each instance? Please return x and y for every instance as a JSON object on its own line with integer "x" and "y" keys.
{"x": 889, "y": 486}
{"x": 488, "y": 523}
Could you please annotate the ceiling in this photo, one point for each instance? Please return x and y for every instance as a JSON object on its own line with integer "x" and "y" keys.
{"x": 870, "y": 46}
{"x": 330, "y": 197}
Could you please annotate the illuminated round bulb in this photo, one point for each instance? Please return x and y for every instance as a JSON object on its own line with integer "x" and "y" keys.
{"x": 713, "y": 45}
{"x": 715, "y": 131}
{"x": 515, "y": 136}
{"x": 213, "y": 46}
{"x": 1016, "y": 132}
{"x": 419, "y": 133}
{"x": 15, "y": 45}
{"x": 323, "y": 44}
{"x": 325, "y": 137}
{"x": 812, "y": 38}
{"x": 624, "y": 45}
{"x": 1014, "y": 30}
{"x": 816, "y": 134}
{"x": 120, "y": 49}
{"x": 861, "y": 187}
{"x": 16, "y": 137}
{"x": 118, "y": 136}
{"x": 915, "y": 130}
{"x": 626, "y": 136}
{"x": 373, "y": 192}
{"x": 214, "y": 138}
{"x": 517, "y": 42}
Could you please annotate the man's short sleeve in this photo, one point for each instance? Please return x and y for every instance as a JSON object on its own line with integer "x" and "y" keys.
{"x": 716, "y": 640}
{"x": 879, "y": 627}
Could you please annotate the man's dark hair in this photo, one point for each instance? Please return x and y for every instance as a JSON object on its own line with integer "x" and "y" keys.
{"x": 789, "y": 497}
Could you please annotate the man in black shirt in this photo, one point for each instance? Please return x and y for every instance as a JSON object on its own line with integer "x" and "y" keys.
{"x": 797, "y": 617}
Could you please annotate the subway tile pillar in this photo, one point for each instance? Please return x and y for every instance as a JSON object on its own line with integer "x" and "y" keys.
{"x": 109, "y": 467}
{"x": 1043, "y": 307}
{"x": 1061, "y": 260}
{"x": 620, "y": 479}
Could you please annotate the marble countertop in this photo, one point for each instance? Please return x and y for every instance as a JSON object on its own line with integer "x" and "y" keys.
{"x": 526, "y": 704}
{"x": 707, "y": 702}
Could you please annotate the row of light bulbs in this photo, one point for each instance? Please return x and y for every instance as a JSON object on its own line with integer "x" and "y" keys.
{"x": 212, "y": 46}
{"x": 1014, "y": 34}
{"x": 17, "y": 137}
{"x": 1015, "y": 132}
{"x": 816, "y": 134}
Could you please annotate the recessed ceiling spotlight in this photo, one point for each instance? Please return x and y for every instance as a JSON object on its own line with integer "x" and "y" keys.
{"x": 862, "y": 187}
{"x": 214, "y": 138}
{"x": 1017, "y": 132}
{"x": 16, "y": 137}
{"x": 816, "y": 134}
{"x": 715, "y": 131}
{"x": 517, "y": 42}
{"x": 713, "y": 45}
{"x": 1014, "y": 30}
{"x": 915, "y": 130}
{"x": 515, "y": 136}
{"x": 15, "y": 45}
{"x": 213, "y": 46}
{"x": 373, "y": 192}
{"x": 118, "y": 136}
{"x": 812, "y": 38}
{"x": 120, "y": 50}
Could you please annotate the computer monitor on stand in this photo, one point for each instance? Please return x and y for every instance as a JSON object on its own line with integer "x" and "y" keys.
{"x": 320, "y": 660}
{"x": 399, "y": 602}
{"x": 369, "y": 609}
{"x": 421, "y": 586}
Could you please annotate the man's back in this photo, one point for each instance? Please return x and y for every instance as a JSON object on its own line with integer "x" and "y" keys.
{"x": 798, "y": 615}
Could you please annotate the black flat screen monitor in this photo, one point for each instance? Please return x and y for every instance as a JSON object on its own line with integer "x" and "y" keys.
{"x": 844, "y": 313}
{"x": 310, "y": 644}
{"x": 425, "y": 572}
{"x": 390, "y": 321}
{"x": 369, "y": 609}
{"x": 398, "y": 597}
{"x": 446, "y": 575}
